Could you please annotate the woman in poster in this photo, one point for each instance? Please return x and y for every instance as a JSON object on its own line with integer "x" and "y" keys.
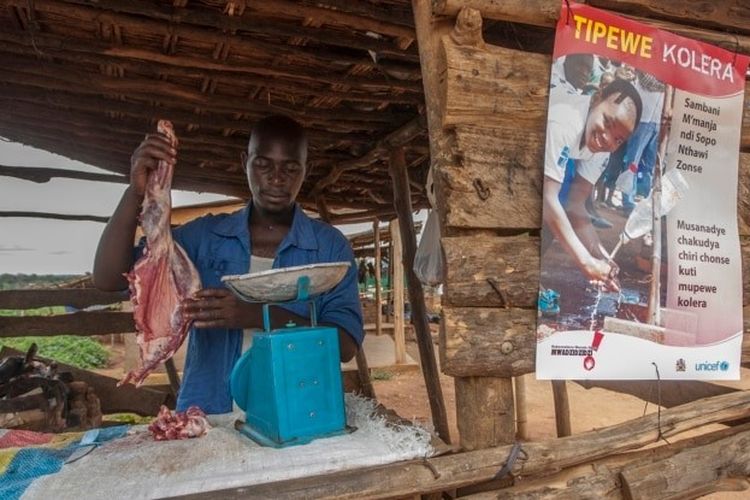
{"x": 582, "y": 131}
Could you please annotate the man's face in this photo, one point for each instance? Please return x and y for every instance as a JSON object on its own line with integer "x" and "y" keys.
{"x": 275, "y": 171}
{"x": 609, "y": 124}
{"x": 578, "y": 69}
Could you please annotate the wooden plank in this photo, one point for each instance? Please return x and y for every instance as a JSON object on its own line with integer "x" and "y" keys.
{"x": 682, "y": 475}
{"x": 495, "y": 86}
{"x": 408, "y": 241}
{"x": 79, "y": 323}
{"x": 453, "y": 471}
{"x": 600, "y": 478}
{"x": 488, "y": 342}
{"x": 485, "y": 412}
{"x": 497, "y": 179}
{"x": 145, "y": 401}
{"x": 73, "y": 297}
{"x": 491, "y": 271}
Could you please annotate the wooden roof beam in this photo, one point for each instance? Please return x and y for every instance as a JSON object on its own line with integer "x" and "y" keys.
{"x": 41, "y": 175}
{"x": 399, "y": 137}
{"x": 151, "y": 113}
{"x": 141, "y": 62}
{"x": 211, "y": 19}
{"x": 58, "y": 77}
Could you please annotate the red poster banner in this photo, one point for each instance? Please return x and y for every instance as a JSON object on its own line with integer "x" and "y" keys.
{"x": 641, "y": 273}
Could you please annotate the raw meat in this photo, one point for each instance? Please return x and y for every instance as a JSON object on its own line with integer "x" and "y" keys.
{"x": 162, "y": 278}
{"x": 179, "y": 425}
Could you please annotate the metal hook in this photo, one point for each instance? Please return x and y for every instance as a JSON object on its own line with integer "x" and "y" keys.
{"x": 482, "y": 191}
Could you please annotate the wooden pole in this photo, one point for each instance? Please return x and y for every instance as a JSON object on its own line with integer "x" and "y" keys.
{"x": 174, "y": 377}
{"x": 397, "y": 292}
{"x": 402, "y": 204}
{"x": 562, "y": 408}
{"x": 430, "y": 32}
{"x": 47, "y": 215}
{"x": 654, "y": 296}
{"x": 522, "y": 432}
{"x": 485, "y": 411}
{"x": 363, "y": 370}
{"x": 378, "y": 287}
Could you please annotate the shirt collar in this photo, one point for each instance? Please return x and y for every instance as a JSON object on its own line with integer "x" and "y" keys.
{"x": 301, "y": 234}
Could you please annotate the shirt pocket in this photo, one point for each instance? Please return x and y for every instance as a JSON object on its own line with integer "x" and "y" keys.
{"x": 218, "y": 267}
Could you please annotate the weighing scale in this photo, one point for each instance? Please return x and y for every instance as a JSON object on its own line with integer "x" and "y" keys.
{"x": 289, "y": 382}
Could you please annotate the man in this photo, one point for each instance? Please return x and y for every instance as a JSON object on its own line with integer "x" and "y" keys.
{"x": 572, "y": 73}
{"x": 272, "y": 231}
{"x": 581, "y": 132}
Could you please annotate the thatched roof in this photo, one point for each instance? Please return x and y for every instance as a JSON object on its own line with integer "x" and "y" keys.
{"x": 88, "y": 78}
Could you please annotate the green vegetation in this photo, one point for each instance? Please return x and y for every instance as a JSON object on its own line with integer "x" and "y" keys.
{"x": 19, "y": 281}
{"x": 378, "y": 374}
{"x": 81, "y": 352}
{"x": 127, "y": 418}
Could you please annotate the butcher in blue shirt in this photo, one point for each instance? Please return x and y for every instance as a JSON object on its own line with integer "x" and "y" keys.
{"x": 272, "y": 231}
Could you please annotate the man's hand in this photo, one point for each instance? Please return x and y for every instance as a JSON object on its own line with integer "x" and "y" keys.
{"x": 219, "y": 308}
{"x": 154, "y": 148}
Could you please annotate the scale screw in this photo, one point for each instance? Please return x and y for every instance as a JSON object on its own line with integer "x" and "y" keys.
{"x": 312, "y": 414}
{"x": 302, "y": 383}
{"x": 290, "y": 347}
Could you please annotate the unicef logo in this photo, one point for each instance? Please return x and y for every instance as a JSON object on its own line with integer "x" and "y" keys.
{"x": 724, "y": 366}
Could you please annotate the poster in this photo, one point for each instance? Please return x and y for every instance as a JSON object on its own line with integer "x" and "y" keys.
{"x": 641, "y": 272}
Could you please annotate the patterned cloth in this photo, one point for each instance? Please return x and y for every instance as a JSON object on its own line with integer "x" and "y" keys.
{"x": 26, "y": 455}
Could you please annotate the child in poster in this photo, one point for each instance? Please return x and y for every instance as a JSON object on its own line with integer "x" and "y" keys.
{"x": 653, "y": 277}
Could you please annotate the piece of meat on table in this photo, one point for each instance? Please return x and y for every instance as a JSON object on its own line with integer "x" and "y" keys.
{"x": 179, "y": 425}
{"x": 162, "y": 277}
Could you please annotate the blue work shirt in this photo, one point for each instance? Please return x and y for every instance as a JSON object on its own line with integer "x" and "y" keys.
{"x": 219, "y": 245}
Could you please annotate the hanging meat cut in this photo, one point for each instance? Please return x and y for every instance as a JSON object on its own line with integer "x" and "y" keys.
{"x": 162, "y": 278}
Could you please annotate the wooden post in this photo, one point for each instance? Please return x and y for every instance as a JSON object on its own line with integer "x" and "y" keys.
{"x": 485, "y": 411}
{"x": 402, "y": 204}
{"x": 174, "y": 377}
{"x": 562, "y": 408}
{"x": 363, "y": 371}
{"x": 654, "y": 296}
{"x": 378, "y": 287}
{"x": 430, "y": 31}
{"x": 521, "y": 417}
{"x": 397, "y": 292}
